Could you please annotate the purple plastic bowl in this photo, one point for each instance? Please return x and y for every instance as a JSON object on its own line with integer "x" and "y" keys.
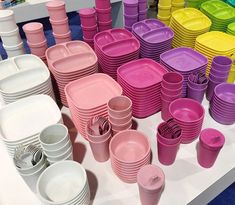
{"x": 226, "y": 92}
{"x": 220, "y": 120}
{"x": 222, "y": 63}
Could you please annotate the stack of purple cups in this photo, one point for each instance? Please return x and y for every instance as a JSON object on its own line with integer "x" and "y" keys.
{"x": 130, "y": 13}
{"x": 59, "y": 21}
{"x": 219, "y": 73}
{"x": 143, "y": 9}
{"x": 196, "y": 86}
{"x": 171, "y": 89}
{"x": 104, "y": 14}
{"x": 88, "y": 24}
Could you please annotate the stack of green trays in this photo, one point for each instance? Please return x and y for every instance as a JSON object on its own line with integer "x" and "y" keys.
{"x": 231, "y": 29}
{"x": 220, "y": 13}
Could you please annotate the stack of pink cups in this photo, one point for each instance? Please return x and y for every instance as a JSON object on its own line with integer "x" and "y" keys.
{"x": 171, "y": 89}
{"x": 88, "y": 24}
{"x": 59, "y": 21}
{"x": 120, "y": 113}
{"x": 104, "y": 14}
{"x": 36, "y": 39}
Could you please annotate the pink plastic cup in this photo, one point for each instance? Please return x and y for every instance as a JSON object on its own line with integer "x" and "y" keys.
{"x": 34, "y": 32}
{"x": 172, "y": 80}
{"x": 171, "y": 91}
{"x": 60, "y": 27}
{"x": 89, "y": 32}
{"x": 151, "y": 181}
{"x": 103, "y": 26}
{"x": 102, "y": 4}
{"x": 130, "y": 19}
{"x": 210, "y": 143}
{"x": 38, "y": 49}
{"x": 120, "y": 127}
{"x": 165, "y": 114}
{"x": 62, "y": 38}
{"x": 87, "y": 17}
{"x": 100, "y": 150}
{"x": 170, "y": 97}
{"x": 122, "y": 120}
{"x": 167, "y": 153}
{"x": 56, "y": 10}
{"x": 90, "y": 42}
{"x": 104, "y": 15}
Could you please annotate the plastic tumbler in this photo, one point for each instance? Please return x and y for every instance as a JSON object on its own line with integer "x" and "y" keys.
{"x": 56, "y": 10}
{"x": 196, "y": 94}
{"x": 151, "y": 181}
{"x": 210, "y": 143}
{"x": 222, "y": 63}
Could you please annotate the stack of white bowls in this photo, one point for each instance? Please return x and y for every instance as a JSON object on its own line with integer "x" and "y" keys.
{"x": 64, "y": 183}
{"x": 9, "y": 33}
{"x": 56, "y": 144}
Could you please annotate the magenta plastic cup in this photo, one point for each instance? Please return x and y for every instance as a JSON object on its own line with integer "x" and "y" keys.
{"x": 90, "y": 42}
{"x": 103, "y": 26}
{"x": 151, "y": 182}
{"x": 60, "y": 27}
{"x": 89, "y": 32}
{"x": 196, "y": 94}
{"x": 38, "y": 49}
{"x": 102, "y": 4}
{"x": 167, "y": 152}
{"x": 165, "y": 114}
{"x": 172, "y": 80}
{"x": 170, "y": 97}
{"x": 130, "y": 7}
{"x": 218, "y": 78}
{"x": 142, "y": 6}
{"x": 210, "y": 143}
{"x": 130, "y": 20}
{"x": 87, "y": 17}
{"x": 171, "y": 91}
{"x": 34, "y": 32}
{"x": 104, "y": 15}
{"x": 222, "y": 63}
{"x": 62, "y": 38}
{"x": 210, "y": 89}
{"x": 56, "y": 10}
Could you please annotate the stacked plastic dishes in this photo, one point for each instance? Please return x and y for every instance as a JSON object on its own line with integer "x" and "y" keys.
{"x": 231, "y": 29}
{"x": 189, "y": 115}
{"x": 129, "y": 152}
{"x": 30, "y": 162}
{"x": 88, "y": 97}
{"x": 184, "y": 61}
{"x": 187, "y": 24}
{"x": 220, "y": 69}
{"x": 142, "y": 9}
{"x": 9, "y": 33}
{"x": 56, "y": 144}
{"x": 23, "y": 76}
{"x": 169, "y": 136}
{"x": 59, "y": 21}
{"x": 104, "y": 14}
{"x": 130, "y": 13}
{"x": 231, "y": 77}
{"x": 70, "y": 61}
{"x": 171, "y": 89}
{"x": 222, "y": 104}
{"x": 220, "y": 13}
{"x": 164, "y": 11}
{"x": 213, "y": 44}
{"x": 196, "y": 86}
{"x": 114, "y": 48}
{"x": 141, "y": 82}
{"x": 177, "y": 4}
{"x": 120, "y": 113}
{"x": 155, "y": 38}
{"x": 39, "y": 111}
{"x": 64, "y": 183}
{"x": 99, "y": 132}
{"x": 88, "y": 24}
{"x": 230, "y": 2}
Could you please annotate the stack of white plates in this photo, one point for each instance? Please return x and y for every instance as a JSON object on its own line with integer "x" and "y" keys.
{"x": 23, "y": 76}
{"x": 22, "y": 121}
{"x": 64, "y": 183}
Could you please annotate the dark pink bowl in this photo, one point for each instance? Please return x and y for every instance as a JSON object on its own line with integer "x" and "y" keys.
{"x": 172, "y": 80}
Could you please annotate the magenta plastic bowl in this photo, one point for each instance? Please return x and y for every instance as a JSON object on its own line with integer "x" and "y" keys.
{"x": 218, "y": 78}
{"x": 129, "y": 146}
{"x": 170, "y": 97}
{"x": 172, "y": 80}
{"x": 187, "y": 110}
{"x": 226, "y": 92}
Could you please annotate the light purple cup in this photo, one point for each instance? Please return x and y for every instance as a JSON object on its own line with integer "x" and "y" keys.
{"x": 142, "y": 5}
{"x": 210, "y": 143}
{"x": 222, "y": 63}
{"x": 130, "y": 19}
{"x": 195, "y": 94}
{"x": 218, "y": 78}
{"x": 130, "y": 7}
{"x": 197, "y": 86}
{"x": 217, "y": 72}
{"x": 143, "y": 14}
{"x": 210, "y": 89}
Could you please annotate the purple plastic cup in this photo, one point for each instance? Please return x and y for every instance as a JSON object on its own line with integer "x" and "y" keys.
{"x": 130, "y": 7}
{"x": 196, "y": 85}
{"x": 222, "y": 63}
{"x": 142, "y": 5}
{"x": 143, "y": 14}
{"x": 220, "y": 73}
{"x": 128, "y": 28}
{"x": 130, "y": 19}
{"x": 210, "y": 143}
{"x": 218, "y": 78}
{"x": 195, "y": 94}
{"x": 210, "y": 89}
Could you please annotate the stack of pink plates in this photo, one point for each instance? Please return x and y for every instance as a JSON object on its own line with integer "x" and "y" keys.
{"x": 189, "y": 115}
{"x": 222, "y": 105}
{"x": 185, "y": 61}
{"x": 129, "y": 151}
{"x": 155, "y": 38}
{"x": 141, "y": 82}
{"x": 88, "y": 97}
{"x": 70, "y": 61}
{"x": 114, "y": 48}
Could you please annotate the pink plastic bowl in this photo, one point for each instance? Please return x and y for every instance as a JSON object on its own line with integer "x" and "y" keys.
{"x": 129, "y": 146}
{"x": 172, "y": 80}
{"x": 187, "y": 110}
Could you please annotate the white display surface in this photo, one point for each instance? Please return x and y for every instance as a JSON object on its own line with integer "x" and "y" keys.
{"x": 186, "y": 181}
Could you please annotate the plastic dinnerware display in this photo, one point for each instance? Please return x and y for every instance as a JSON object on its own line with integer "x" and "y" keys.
{"x": 70, "y": 61}
{"x": 231, "y": 29}
{"x": 114, "y": 48}
{"x": 141, "y": 82}
{"x": 155, "y": 38}
{"x": 56, "y": 10}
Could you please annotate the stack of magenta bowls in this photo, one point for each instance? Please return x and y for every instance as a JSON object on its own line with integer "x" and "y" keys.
{"x": 59, "y": 21}
{"x": 36, "y": 39}
{"x": 222, "y": 104}
{"x": 130, "y": 13}
{"x": 189, "y": 115}
{"x": 171, "y": 89}
{"x": 104, "y": 14}
{"x": 88, "y": 24}
{"x": 219, "y": 73}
